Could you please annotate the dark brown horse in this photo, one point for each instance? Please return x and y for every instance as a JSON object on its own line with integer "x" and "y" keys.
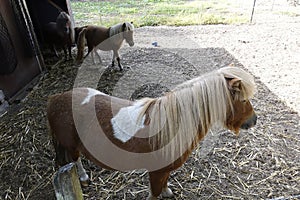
{"x": 106, "y": 39}
{"x": 157, "y": 134}
{"x": 60, "y": 34}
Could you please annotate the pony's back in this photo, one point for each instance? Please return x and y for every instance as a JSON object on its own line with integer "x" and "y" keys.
{"x": 95, "y": 35}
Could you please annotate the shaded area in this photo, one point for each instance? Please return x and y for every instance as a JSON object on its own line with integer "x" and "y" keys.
{"x": 260, "y": 163}
{"x": 20, "y": 61}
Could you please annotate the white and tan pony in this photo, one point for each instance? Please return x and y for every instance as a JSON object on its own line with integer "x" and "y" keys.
{"x": 105, "y": 39}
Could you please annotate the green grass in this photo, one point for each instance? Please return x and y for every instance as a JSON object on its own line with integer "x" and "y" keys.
{"x": 290, "y": 14}
{"x": 155, "y": 12}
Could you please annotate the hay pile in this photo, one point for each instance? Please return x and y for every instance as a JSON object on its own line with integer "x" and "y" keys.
{"x": 262, "y": 163}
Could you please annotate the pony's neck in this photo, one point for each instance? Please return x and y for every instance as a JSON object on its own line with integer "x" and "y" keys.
{"x": 115, "y": 30}
{"x": 116, "y": 35}
{"x": 183, "y": 117}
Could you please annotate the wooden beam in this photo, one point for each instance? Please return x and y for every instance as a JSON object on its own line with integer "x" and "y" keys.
{"x": 252, "y": 11}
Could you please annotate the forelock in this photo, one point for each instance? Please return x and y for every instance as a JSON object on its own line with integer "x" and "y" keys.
{"x": 129, "y": 26}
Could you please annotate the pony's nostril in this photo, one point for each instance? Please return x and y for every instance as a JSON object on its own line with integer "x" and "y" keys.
{"x": 249, "y": 122}
{"x": 254, "y": 119}
{"x": 130, "y": 43}
{"x": 245, "y": 126}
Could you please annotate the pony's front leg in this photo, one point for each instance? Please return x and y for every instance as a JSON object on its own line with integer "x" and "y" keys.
{"x": 116, "y": 56}
{"x": 83, "y": 177}
{"x": 70, "y": 52}
{"x": 159, "y": 185}
{"x": 65, "y": 52}
{"x": 119, "y": 64}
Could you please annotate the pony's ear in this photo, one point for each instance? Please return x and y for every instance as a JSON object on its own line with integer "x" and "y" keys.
{"x": 234, "y": 84}
{"x": 124, "y": 26}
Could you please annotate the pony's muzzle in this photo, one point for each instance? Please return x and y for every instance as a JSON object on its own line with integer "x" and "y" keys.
{"x": 129, "y": 41}
{"x": 131, "y": 44}
{"x": 250, "y": 122}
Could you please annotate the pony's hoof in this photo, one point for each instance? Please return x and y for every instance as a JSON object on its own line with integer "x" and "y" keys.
{"x": 84, "y": 180}
{"x": 121, "y": 67}
{"x": 150, "y": 197}
{"x": 129, "y": 67}
{"x": 111, "y": 66}
{"x": 85, "y": 183}
{"x": 167, "y": 192}
{"x": 78, "y": 63}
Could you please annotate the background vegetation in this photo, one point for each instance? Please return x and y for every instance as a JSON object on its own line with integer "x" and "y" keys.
{"x": 156, "y": 12}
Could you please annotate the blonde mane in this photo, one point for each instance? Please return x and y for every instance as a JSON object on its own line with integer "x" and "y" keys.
{"x": 188, "y": 111}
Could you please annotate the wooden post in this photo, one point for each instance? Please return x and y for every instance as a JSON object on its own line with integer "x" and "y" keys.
{"x": 252, "y": 11}
{"x": 66, "y": 183}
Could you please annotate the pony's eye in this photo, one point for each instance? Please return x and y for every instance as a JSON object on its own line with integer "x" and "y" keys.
{"x": 244, "y": 100}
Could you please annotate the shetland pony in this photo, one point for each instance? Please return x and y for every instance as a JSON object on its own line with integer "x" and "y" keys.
{"x": 60, "y": 34}
{"x": 107, "y": 39}
{"x": 158, "y": 134}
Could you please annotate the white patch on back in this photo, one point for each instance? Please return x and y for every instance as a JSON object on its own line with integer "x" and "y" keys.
{"x": 91, "y": 92}
{"x": 125, "y": 124}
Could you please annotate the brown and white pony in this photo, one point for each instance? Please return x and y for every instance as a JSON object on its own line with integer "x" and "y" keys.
{"x": 157, "y": 134}
{"x": 106, "y": 39}
{"x": 60, "y": 34}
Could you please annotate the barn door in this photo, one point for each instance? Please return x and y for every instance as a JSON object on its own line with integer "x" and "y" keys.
{"x": 8, "y": 61}
{"x": 20, "y": 58}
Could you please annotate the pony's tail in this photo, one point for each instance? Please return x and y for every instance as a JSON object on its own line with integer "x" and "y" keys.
{"x": 61, "y": 157}
{"x": 80, "y": 45}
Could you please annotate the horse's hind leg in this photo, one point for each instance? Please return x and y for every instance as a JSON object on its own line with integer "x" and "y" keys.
{"x": 62, "y": 157}
{"x": 65, "y": 53}
{"x": 93, "y": 56}
{"x": 55, "y": 51}
{"x": 94, "y": 51}
{"x": 99, "y": 57}
{"x": 90, "y": 49}
{"x": 84, "y": 178}
{"x": 70, "y": 52}
{"x": 87, "y": 54}
{"x": 159, "y": 185}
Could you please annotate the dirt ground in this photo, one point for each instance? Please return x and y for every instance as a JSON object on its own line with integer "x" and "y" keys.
{"x": 262, "y": 163}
